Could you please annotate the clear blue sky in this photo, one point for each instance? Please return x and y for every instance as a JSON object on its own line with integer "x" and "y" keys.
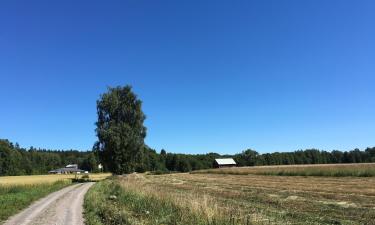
{"x": 217, "y": 76}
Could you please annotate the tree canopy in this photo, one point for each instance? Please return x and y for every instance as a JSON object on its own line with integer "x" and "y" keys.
{"x": 120, "y": 130}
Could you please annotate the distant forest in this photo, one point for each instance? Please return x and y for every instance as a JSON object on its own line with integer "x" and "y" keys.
{"x": 20, "y": 161}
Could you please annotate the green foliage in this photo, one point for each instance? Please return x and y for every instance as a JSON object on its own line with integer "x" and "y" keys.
{"x": 98, "y": 208}
{"x": 90, "y": 163}
{"x": 314, "y": 156}
{"x": 19, "y": 161}
{"x": 120, "y": 130}
{"x": 247, "y": 158}
{"x": 19, "y": 197}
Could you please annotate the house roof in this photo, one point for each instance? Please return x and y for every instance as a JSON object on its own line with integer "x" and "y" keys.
{"x": 71, "y": 166}
{"x": 228, "y": 161}
{"x": 61, "y": 170}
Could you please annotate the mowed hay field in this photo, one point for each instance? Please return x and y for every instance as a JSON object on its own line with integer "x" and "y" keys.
{"x": 334, "y": 170}
{"x": 231, "y": 199}
{"x": 39, "y": 179}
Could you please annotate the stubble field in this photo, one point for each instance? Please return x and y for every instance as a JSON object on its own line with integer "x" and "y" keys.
{"x": 232, "y": 199}
{"x": 327, "y": 170}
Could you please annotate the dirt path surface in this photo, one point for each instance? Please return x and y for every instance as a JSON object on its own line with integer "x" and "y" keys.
{"x": 63, "y": 207}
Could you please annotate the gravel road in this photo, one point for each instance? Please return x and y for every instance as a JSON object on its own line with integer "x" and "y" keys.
{"x": 63, "y": 207}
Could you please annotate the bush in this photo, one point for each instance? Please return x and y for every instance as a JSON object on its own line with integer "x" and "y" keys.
{"x": 82, "y": 179}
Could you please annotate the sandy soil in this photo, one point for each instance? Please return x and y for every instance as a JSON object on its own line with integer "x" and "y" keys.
{"x": 63, "y": 207}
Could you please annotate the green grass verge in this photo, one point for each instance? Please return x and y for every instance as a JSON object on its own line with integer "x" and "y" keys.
{"x": 129, "y": 207}
{"x": 17, "y": 197}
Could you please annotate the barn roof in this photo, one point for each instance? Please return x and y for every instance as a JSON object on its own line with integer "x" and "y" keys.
{"x": 228, "y": 161}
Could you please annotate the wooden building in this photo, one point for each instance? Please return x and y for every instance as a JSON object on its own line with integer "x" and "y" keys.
{"x": 228, "y": 162}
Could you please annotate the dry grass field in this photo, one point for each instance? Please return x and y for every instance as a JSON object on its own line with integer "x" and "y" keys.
{"x": 237, "y": 199}
{"x": 334, "y": 170}
{"x": 39, "y": 179}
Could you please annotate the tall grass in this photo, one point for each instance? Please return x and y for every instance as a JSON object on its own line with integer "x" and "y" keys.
{"x": 215, "y": 199}
{"x": 13, "y": 198}
{"x": 115, "y": 202}
{"x": 328, "y": 170}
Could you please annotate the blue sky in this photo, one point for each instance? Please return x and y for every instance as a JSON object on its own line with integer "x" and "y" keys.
{"x": 214, "y": 76}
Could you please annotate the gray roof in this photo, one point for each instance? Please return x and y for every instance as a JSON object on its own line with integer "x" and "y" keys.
{"x": 62, "y": 170}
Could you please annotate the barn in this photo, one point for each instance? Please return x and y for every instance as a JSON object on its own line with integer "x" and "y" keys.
{"x": 228, "y": 162}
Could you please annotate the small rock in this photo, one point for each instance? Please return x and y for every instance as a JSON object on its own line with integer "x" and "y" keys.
{"x": 113, "y": 197}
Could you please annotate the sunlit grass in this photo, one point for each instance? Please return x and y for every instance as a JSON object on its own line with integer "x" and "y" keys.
{"x": 330, "y": 170}
{"x": 209, "y": 199}
{"x": 13, "y": 198}
{"x": 115, "y": 202}
{"x": 39, "y": 179}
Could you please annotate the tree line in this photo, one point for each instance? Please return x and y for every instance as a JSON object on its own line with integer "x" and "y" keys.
{"x": 185, "y": 162}
{"x": 20, "y": 161}
{"x": 309, "y": 156}
{"x": 121, "y": 149}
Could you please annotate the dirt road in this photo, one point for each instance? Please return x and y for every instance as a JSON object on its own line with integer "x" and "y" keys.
{"x": 63, "y": 207}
